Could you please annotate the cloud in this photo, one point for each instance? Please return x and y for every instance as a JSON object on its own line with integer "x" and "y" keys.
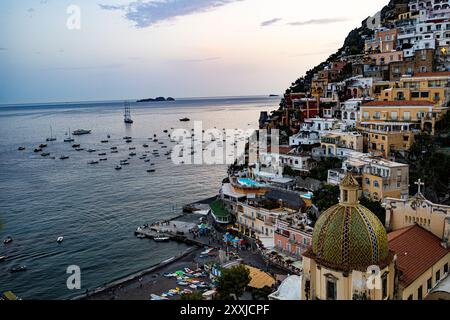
{"x": 202, "y": 60}
{"x": 150, "y": 12}
{"x": 270, "y": 22}
{"x": 318, "y": 21}
{"x": 82, "y": 68}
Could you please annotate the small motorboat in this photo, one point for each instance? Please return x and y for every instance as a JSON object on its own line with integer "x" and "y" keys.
{"x": 91, "y": 150}
{"x": 69, "y": 140}
{"x": 93, "y": 162}
{"x": 76, "y": 146}
{"x": 132, "y": 154}
{"x": 18, "y": 269}
{"x": 118, "y": 168}
{"x": 147, "y": 160}
{"x": 3, "y": 258}
{"x": 124, "y": 162}
{"x": 161, "y": 239}
{"x": 104, "y": 159}
{"x": 127, "y": 138}
{"x": 79, "y": 149}
{"x": 81, "y": 132}
{"x": 37, "y": 150}
{"x": 8, "y": 240}
{"x": 145, "y": 145}
{"x": 42, "y": 146}
{"x": 104, "y": 141}
{"x": 129, "y": 141}
{"x": 185, "y": 120}
{"x": 64, "y": 157}
{"x": 132, "y": 148}
{"x": 151, "y": 170}
{"x": 21, "y": 148}
{"x": 115, "y": 151}
{"x": 60, "y": 239}
{"x": 102, "y": 154}
{"x": 45, "y": 154}
{"x": 166, "y": 131}
{"x": 113, "y": 148}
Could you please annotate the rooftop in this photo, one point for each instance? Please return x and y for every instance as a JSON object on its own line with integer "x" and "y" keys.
{"x": 259, "y": 279}
{"x": 417, "y": 251}
{"x": 218, "y": 209}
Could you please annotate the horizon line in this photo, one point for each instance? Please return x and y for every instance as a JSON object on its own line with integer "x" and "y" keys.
{"x": 135, "y": 100}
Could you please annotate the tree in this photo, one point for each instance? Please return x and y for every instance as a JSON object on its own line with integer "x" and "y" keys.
{"x": 233, "y": 282}
{"x": 375, "y": 207}
{"x": 320, "y": 172}
{"x": 326, "y": 197}
{"x": 195, "y": 296}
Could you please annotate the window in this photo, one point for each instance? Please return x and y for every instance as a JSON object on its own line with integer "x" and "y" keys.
{"x": 280, "y": 244}
{"x": 415, "y": 94}
{"x": 385, "y": 285}
{"x": 376, "y": 184}
{"x": 377, "y": 115}
{"x": 438, "y": 275}
{"x": 331, "y": 289}
{"x": 366, "y": 115}
{"x": 429, "y": 284}
{"x": 446, "y": 268}
{"x": 420, "y": 293}
{"x": 410, "y": 297}
{"x": 407, "y": 115}
{"x": 394, "y": 115}
{"x": 424, "y": 94}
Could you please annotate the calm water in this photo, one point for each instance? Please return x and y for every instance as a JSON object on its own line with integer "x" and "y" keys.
{"x": 96, "y": 208}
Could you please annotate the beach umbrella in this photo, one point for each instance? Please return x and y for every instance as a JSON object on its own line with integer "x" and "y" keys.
{"x": 179, "y": 273}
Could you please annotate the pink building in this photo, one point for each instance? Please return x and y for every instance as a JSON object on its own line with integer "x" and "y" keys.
{"x": 292, "y": 236}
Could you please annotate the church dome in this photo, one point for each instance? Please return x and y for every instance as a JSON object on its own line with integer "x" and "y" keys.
{"x": 348, "y": 236}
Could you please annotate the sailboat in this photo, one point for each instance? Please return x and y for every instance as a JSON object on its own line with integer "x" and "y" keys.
{"x": 51, "y": 135}
{"x": 70, "y": 139}
{"x": 127, "y": 115}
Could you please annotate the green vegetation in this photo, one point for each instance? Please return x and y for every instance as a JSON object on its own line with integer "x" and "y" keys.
{"x": 195, "y": 296}
{"x": 428, "y": 163}
{"x": 218, "y": 209}
{"x": 261, "y": 294}
{"x": 326, "y": 197}
{"x": 233, "y": 282}
{"x": 375, "y": 207}
{"x": 320, "y": 172}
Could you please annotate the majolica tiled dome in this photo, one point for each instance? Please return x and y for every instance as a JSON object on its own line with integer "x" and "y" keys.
{"x": 349, "y": 236}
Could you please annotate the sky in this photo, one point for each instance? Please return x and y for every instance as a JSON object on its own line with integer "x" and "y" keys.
{"x": 130, "y": 49}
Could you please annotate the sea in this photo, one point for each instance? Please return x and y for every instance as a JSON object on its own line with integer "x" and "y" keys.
{"x": 95, "y": 207}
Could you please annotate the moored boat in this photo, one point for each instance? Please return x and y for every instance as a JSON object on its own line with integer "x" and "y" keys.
{"x": 8, "y": 240}
{"x": 185, "y": 120}
{"x": 18, "y": 269}
{"x": 81, "y": 132}
{"x": 21, "y": 148}
{"x": 63, "y": 157}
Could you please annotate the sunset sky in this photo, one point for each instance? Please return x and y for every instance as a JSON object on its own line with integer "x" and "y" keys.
{"x": 129, "y": 49}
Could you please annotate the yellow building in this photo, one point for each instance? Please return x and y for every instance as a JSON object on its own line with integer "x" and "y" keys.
{"x": 429, "y": 86}
{"x": 256, "y": 220}
{"x": 384, "y": 144}
{"x": 349, "y": 243}
{"x": 398, "y": 116}
{"x": 379, "y": 178}
{"x": 348, "y": 140}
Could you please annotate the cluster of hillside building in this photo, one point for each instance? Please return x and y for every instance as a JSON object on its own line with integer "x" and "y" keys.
{"x": 365, "y": 110}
